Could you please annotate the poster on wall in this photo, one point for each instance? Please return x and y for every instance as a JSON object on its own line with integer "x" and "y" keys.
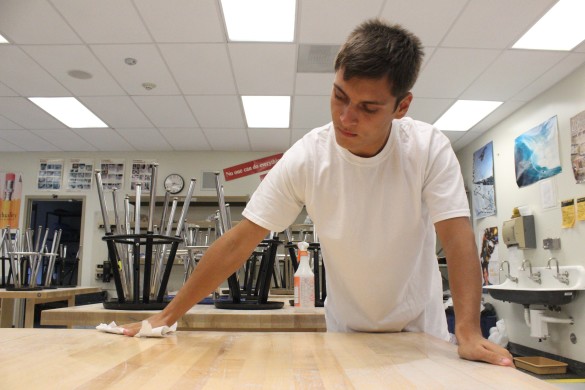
{"x": 79, "y": 174}
{"x": 11, "y": 190}
{"x": 50, "y": 174}
{"x": 536, "y": 153}
{"x": 490, "y": 264}
{"x": 484, "y": 195}
{"x": 578, "y": 147}
{"x": 112, "y": 173}
{"x": 141, "y": 173}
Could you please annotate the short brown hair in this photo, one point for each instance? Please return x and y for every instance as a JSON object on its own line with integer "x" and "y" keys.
{"x": 376, "y": 49}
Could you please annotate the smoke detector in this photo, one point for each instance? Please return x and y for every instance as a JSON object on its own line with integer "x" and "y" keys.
{"x": 149, "y": 86}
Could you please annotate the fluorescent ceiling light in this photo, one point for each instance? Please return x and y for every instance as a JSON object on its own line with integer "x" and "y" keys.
{"x": 464, "y": 114}
{"x": 260, "y": 20}
{"x": 267, "y": 111}
{"x": 561, "y": 28}
{"x": 3, "y": 40}
{"x": 69, "y": 111}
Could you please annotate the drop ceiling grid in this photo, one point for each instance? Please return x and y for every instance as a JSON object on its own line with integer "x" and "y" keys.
{"x": 65, "y": 139}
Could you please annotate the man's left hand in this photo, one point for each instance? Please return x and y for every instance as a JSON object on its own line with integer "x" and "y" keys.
{"x": 478, "y": 348}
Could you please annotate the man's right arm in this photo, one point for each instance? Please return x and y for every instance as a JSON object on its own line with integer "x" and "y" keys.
{"x": 224, "y": 257}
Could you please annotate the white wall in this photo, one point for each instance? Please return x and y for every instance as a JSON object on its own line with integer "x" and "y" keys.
{"x": 566, "y": 99}
{"x": 188, "y": 164}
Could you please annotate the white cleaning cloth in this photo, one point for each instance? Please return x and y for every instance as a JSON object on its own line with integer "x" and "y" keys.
{"x": 146, "y": 330}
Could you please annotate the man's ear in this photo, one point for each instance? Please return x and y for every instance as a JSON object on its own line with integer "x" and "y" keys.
{"x": 403, "y": 106}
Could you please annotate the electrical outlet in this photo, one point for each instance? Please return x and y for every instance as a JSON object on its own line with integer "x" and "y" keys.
{"x": 551, "y": 243}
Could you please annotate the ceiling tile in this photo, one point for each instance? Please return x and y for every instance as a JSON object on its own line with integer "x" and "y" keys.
{"x": 500, "y": 113}
{"x": 186, "y": 139}
{"x": 7, "y": 124}
{"x": 65, "y": 139}
{"x": 512, "y": 71}
{"x": 117, "y": 111}
{"x": 264, "y": 77}
{"x": 183, "y": 13}
{"x": 449, "y": 71}
{"x": 27, "y": 141}
{"x": 347, "y": 15}
{"x": 217, "y": 111}
{"x": 227, "y": 139}
{"x": 269, "y": 140}
{"x": 453, "y": 135}
{"x": 104, "y": 139}
{"x": 5, "y": 91}
{"x": 149, "y": 68}
{"x": 23, "y": 75}
{"x": 166, "y": 111}
{"x": 314, "y": 83}
{"x": 421, "y": 16}
{"x": 566, "y": 66}
{"x": 200, "y": 68}
{"x": 297, "y": 134}
{"x": 60, "y": 59}
{"x": 104, "y": 21}
{"x": 310, "y": 111}
{"x": 145, "y": 139}
{"x": 495, "y": 23}
{"x": 26, "y": 114}
{"x": 6, "y": 146}
{"x": 34, "y": 21}
{"x": 428, "y": 110}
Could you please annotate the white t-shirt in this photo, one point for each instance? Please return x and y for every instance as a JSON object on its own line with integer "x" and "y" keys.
{"x": 374, "y": 218}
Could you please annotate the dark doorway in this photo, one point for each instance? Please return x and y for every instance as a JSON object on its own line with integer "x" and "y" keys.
{"x": 65, "y": 215}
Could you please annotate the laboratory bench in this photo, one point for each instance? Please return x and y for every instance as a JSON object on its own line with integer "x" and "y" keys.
{"x": 34, "y": 297}
{"x": 199, "y": 317}
{"x": 88, "y": 359}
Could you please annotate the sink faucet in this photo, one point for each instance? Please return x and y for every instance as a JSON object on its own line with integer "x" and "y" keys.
{"x": 533, "y": 276}
{"x": 561, "y": 277}
{"x": 512, "y": 278}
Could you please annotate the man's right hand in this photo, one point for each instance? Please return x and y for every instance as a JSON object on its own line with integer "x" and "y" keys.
{"x": 133, "y": 328}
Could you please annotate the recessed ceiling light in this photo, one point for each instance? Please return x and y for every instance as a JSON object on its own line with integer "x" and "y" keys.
{"x": 69, "y": 111}
{"x": 561, "y": 28}
{"x": 465, "y": 114}
{"x": 260, "y": 20}
{"x": 267, "y": 111}
{"x": 3, "y": 40}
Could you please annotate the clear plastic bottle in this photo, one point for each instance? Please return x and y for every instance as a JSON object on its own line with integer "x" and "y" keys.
{"x": 304, "y": 279}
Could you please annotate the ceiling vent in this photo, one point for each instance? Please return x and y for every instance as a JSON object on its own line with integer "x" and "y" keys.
{"x": 317, "y": 58}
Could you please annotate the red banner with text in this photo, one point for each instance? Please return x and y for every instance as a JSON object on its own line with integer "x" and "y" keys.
{"x": 251, "y": 167}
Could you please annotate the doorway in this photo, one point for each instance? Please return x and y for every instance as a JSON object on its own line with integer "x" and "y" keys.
{"x": 65, "y": 214}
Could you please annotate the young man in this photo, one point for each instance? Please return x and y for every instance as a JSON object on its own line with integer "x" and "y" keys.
{"x": 374, "y": 183}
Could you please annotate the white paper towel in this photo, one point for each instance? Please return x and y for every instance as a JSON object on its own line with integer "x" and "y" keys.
{"x": 146, "y": 330}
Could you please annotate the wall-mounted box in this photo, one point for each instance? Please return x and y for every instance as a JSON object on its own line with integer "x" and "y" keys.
{"x": 520, "y": 231}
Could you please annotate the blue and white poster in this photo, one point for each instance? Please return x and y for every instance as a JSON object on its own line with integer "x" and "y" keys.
{"x": 484, "y": 195}
{"x": 536, "y": 153}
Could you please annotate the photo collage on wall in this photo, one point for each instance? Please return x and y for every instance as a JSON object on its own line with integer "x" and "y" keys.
{"x": 141, "y": 174}
{"x": 79, "y": 174}
{"x": 112, "y": 174}
{"x": 50, "y": 174}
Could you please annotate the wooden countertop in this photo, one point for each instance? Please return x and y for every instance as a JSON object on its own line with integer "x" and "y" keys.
{"x": 61, "y": 292}
{"x": 88, "y": 359}
{"x": 199, "y": 317}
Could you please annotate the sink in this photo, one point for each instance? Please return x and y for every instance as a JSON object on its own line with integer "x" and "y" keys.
{"x": 550, "y": 292}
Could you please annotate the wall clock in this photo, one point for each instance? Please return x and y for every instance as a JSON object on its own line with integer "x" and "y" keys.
{"x": 174, "y": 183}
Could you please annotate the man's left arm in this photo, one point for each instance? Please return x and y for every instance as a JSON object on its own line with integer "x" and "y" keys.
{"x": 457, "y": 238}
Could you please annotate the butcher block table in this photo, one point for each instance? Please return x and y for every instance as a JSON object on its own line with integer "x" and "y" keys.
{"x": 88, "y": 359}
{"x": 7, "y": 299}
{"x": 199, "y": 317}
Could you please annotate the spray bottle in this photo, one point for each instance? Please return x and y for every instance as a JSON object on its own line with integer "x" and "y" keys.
{"x": 304, "y": 279}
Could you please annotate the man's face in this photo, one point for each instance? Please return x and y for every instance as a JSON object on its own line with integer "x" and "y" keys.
{"x": 362, "y": 110}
